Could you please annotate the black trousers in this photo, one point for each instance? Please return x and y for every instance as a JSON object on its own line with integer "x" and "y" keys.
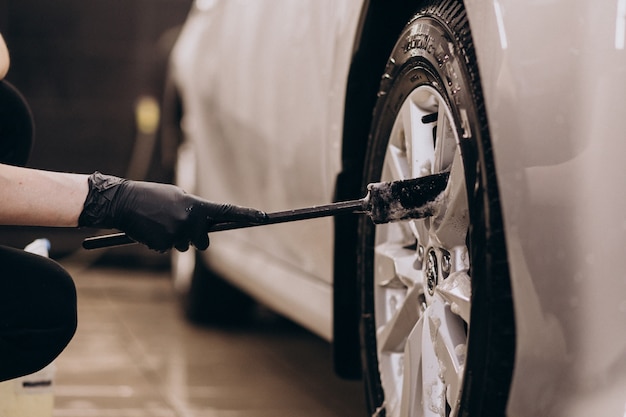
{"x": 37, "y": 312}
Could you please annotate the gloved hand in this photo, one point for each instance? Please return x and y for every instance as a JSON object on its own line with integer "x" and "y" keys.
{"x": 161, "y": 216}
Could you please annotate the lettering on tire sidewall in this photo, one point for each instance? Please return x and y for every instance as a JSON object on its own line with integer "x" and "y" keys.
{"x": 428, "y": 43}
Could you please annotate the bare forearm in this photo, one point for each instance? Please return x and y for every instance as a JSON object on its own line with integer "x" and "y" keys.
{"x": 40, "y": 198}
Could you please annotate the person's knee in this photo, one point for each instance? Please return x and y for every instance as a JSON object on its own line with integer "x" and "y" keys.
{"x": 37, "y": 314}
{"x": 59, "y": 309}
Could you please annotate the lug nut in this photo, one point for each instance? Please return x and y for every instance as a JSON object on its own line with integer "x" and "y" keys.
{"x": 445, "y": 264}
{"x": 431, "y": 272}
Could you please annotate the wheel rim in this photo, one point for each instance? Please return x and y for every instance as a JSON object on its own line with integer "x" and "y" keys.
{"x": 422, "y": 289}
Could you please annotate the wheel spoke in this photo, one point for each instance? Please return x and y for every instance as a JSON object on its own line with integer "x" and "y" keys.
{"x": 445, "y": 143}
{"x": 418, "y": 140}
{"x": 457, "y": 291}
{"x": 443, "y": 356}
{"x": 400, "y": 284}
{"x": 396, "y": 262}
{"x": 450, "y": 225}
{"x": 397, "y": 166}
{"x": 450, "y": 348}
{"x": 412, "y": 377}
{"x": 392, "y": 336}
{"x": 433, "y": 389}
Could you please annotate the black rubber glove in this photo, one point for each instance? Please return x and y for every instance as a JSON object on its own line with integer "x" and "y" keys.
{"x": 161, "y": 216}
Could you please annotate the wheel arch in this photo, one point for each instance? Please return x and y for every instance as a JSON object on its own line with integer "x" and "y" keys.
{"x": 380, "y": 23}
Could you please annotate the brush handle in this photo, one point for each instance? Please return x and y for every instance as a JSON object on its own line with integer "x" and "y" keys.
{"x": 343, "y": 207}
{"x": 413, "y": 198}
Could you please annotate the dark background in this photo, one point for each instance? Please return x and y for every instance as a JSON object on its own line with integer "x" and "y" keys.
{"x": 82, "y": 65}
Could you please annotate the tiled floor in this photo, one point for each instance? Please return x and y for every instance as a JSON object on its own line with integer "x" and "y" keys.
{"x": 134, "y": 356}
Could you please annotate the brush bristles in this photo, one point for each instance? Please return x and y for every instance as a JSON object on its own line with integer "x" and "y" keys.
{"x": 414, "y": 198}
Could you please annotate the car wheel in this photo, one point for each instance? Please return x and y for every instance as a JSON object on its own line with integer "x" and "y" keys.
{"x": 437, "y": 328}
{"x": 205, "y": 297}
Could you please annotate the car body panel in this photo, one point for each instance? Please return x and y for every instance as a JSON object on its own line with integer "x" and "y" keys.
{"x": 553, "y": 82}
{"x": 287, "y": 108}
{"x": 264, "y": 108}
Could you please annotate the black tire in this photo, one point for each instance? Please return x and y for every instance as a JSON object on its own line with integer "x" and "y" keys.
{"x": 213, "y": 301}
{"x": 209, "y": 300}
{"x": 434, "y": 55}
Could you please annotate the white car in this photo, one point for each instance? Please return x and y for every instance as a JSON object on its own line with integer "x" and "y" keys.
{"x": 511, "y": 299}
